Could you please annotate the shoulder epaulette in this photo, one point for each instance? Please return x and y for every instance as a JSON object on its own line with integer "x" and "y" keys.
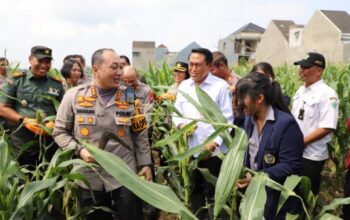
{"x": 56, "y": 79}
{"x": 17, "y": 74}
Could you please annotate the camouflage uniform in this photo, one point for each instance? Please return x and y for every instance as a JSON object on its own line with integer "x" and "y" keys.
{"x": 32, "y": 93}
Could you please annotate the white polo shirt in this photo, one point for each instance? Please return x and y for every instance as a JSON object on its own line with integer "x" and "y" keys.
{"x": 320, "y": 105}
{"x": 217, "y": 89}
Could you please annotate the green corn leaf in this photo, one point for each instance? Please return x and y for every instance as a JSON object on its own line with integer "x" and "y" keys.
{"x": 199, "y": 148}
{"x": 230, "y": 170}
{"x": 333, "y": 206}
{"x": 253, "y": 202}
{"x": 174, "y": 137}
{"x": 159, "y": 196}
{"x": 328, "y": 216}
{"x": 29, "y": 193}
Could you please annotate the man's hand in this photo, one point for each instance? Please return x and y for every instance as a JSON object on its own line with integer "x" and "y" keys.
{"x": 211, "y": 146}
{"x": 32, "y": 125}
{"x": 243, "y": 183}
{"x": 146, "y": 171}
{"x": 86, "y": 156}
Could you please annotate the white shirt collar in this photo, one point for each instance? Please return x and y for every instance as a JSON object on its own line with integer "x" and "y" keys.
{"x": 270, "y": 116}
{"x": 208, "y": 80}
{"x": 314, "y": 86}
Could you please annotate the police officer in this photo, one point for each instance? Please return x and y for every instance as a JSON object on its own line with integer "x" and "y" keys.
{"x": 315, "y": 107}
{"x": 142, "y": 91}
{"x": 89, "y": 111}
{"x": 26, "y": 94}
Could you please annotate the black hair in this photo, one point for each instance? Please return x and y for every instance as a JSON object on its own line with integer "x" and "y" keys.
{"x": 218, "y": 60}
{"x": 255, "y": 84}
{"x": 125, "y": 58}
{"x": 74, "y": 56}
{"x": 97, "y": 58}
{"x": 207, "y": 54}
{"x": 4, "y": 59}
{"x": 68, "y": 66}
{"x": 265, "y": 67}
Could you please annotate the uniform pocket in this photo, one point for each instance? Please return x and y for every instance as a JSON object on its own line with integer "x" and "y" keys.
{"x": 310, "y": 107}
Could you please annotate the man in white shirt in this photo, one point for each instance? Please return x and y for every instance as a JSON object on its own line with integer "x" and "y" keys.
{"x": 199, "y": 67}
{"x": 315, "y": 107}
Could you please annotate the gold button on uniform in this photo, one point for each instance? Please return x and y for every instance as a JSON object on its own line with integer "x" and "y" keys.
{"x": 90, "y": 120}
{"x": 80, "y": 119}
{"x": 84, "y": 131}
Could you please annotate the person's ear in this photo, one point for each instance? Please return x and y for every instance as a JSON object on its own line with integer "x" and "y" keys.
{"x": 94, "y": 69}
{"x": 260, "y": 99}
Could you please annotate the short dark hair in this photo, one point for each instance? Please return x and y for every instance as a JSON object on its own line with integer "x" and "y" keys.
{"x": 97, "y": 58}
{"x": 74, "y": 56}
{"x": 126, "y": 59}
{"x": 68, "y": 66}
{"x": 218, "y": 60}
{"x": 207, "y": 54}
{"x": 4, "y": 59}
{"x": 265, "y": 67}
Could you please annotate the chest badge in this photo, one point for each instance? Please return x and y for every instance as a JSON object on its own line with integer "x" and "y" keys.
{"x": 53, "y": 91}
{"x": 269, "y": 159}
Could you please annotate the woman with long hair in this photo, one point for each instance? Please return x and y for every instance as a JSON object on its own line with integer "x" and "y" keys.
{"x": 275, "y": 140}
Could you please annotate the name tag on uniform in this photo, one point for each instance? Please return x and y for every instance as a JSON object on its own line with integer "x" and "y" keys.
{"x": 119, "y": 120}
{"x": 53, "y": 91}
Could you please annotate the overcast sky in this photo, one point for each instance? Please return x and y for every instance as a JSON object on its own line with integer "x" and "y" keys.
{"x": 82, "y": 26}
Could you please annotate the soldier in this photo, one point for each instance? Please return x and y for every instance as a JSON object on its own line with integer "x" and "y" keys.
{"x": 25, "y": 94}
{"x": 91, "y": 110}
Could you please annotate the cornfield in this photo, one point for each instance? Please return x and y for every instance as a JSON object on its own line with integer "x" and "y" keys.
{"x": 50, "y": 190}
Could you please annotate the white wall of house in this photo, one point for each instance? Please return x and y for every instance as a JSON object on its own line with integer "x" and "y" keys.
{"x": 321, "y": 35}
{"x": 141, "y": 58}
{"x": 227, "y": 47}
{"x": 273, "y": 47}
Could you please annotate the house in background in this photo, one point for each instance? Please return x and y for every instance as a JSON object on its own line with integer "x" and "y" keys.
{"x": 327, "y": 32}
{"x": 143, "y": 53}
{"x": 274, "y": 44}
{"x": 162, "y": 55}
{"x": 183, "y": 54}
{"x": 241, "y": 43}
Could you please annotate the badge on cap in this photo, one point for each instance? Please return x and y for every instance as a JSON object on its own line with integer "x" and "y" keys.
{"x": 269, "y": 159}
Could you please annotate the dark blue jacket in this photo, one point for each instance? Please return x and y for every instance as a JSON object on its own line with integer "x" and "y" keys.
{"x": 280, "y": 155}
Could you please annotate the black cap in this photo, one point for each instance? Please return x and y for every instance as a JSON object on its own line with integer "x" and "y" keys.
{"x": 312, "y": 59}
{"x": 41, "y": 52}
{"x": 181, "y": 66}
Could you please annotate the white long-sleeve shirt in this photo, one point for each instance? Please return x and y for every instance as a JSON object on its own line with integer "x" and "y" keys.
{"x": 218, "y": 90}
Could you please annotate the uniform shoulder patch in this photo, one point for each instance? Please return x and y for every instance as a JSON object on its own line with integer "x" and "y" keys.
{"x": 57, "y": 79}
{"x": 17, "y": 74}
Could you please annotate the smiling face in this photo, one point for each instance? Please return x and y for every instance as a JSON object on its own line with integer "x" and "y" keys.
{"x": 198, "y": 68}
{"x": 75, "y": 73}
{"x": 179, "y": 76}
{"x": 108, "y": 73}
{"x": 39, "y": 67}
